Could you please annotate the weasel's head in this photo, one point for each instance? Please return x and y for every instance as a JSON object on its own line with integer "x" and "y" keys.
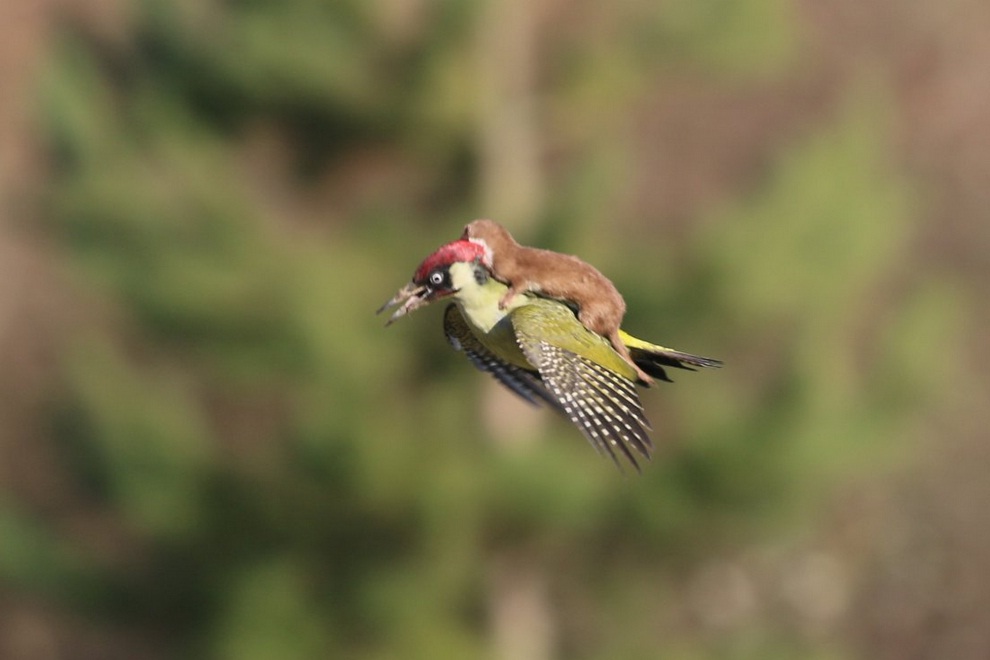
{"x": 493, "y": 237}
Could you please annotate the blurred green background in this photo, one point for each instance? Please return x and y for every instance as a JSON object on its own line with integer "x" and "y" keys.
{"x": 211, "y": 448}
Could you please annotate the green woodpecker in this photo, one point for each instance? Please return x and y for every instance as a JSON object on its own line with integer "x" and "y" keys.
{"x": 538, "y": 348}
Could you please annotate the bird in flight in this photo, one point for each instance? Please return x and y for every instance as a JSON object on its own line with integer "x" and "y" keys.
{"x": 537, "y": 346}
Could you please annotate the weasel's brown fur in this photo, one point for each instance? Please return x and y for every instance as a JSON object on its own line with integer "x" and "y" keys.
{"x": 600, "y": 305}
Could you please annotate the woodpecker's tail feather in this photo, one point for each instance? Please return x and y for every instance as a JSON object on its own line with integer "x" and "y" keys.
{"x": 652, "y": 358}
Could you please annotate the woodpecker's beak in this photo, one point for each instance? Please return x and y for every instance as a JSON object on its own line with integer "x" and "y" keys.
{"x": 410, "y": 298}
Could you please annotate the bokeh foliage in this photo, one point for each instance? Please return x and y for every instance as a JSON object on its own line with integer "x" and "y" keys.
{"x": 238, "y": 185}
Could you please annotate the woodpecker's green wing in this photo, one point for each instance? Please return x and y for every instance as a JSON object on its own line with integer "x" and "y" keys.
{"x": 592, "y": 383}
{"x": 525, "y": 383}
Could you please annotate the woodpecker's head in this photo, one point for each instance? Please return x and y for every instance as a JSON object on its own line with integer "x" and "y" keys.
{"x": 437, "y": 277}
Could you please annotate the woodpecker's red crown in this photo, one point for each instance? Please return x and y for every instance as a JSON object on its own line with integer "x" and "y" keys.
{"x": 445, "y": 255}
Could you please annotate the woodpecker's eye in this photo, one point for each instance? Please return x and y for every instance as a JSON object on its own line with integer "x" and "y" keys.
{"x": 437, "y": 278}
{"x": 480, "y": 274}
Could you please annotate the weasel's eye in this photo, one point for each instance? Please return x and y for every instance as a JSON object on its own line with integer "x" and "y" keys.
{"x": 436, "y": 278}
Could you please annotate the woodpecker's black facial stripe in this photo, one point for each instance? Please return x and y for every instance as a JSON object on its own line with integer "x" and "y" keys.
{"x": 438, "y": 281}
